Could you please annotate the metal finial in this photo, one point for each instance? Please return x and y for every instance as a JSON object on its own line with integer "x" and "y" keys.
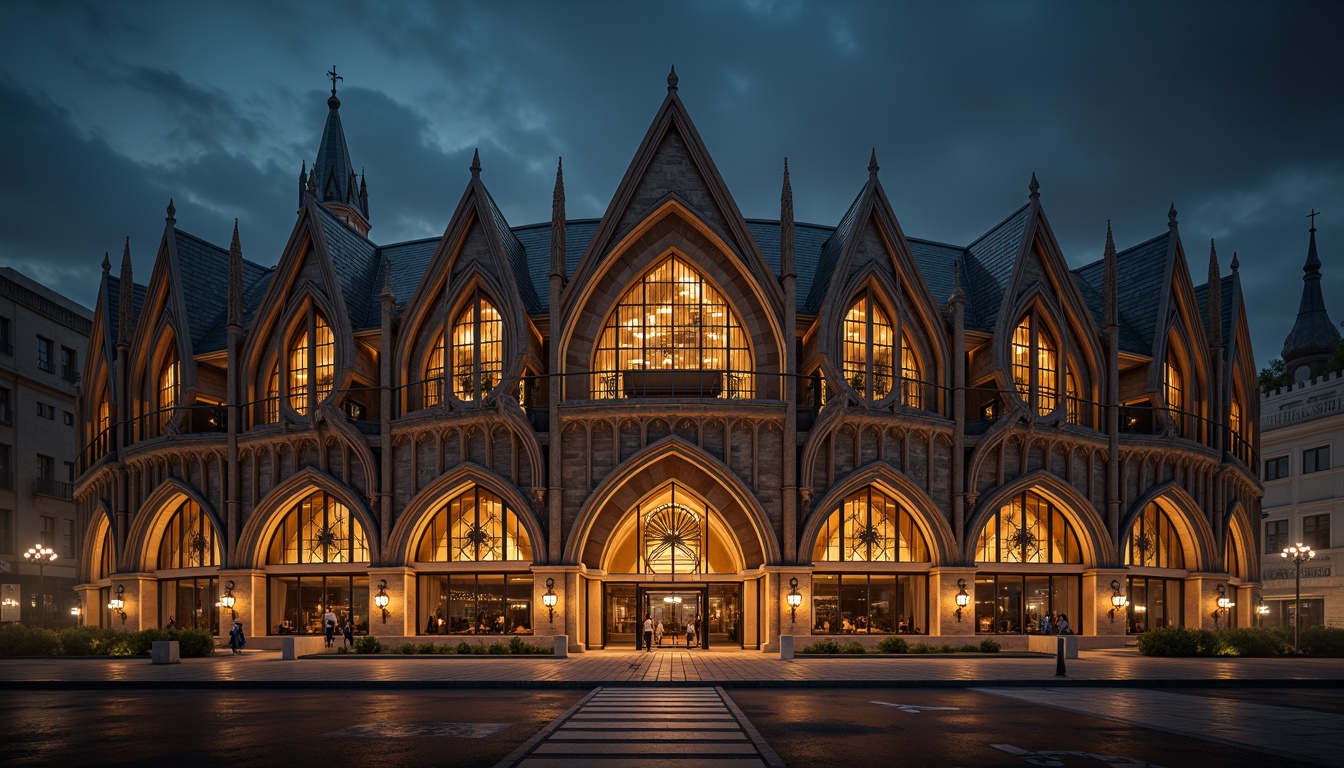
{"x": 1034, "y": 188}
{"x": 475, "y": 162}
{"x": 334, "y": 77}
{"x": 171, "y": 218}
{"x": 1171, "y": 215}
{"x": 672, "y": 79}
{"x": 1235, "y": 264}
{"x": 107, "y": 263}
{"x": 1314, "y": 213}
{"x": 873, "y": 167}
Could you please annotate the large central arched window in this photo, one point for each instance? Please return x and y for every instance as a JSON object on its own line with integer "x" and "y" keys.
{"x": 478, "y": 350}
{"x": 474, "y": 526}
{"x": 869, "y": 348}
{"x": 1035, "y": 364}
{"x": 312, "y": 358}
{"x": 870, "y": 527}
{"x": 1153, "y": 541}
{"x": 169, "y": 378}
{"x": 318, "y": 529}
{"x": 1028, "y": 529}
{"x": 188, "y": 539}
{"x": 672, "y": 334}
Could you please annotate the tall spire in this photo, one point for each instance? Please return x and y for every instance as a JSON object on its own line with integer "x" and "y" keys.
{"x": 171, "y": 211}
{"x": 1314, "y": 336}
{"x": 873, "y": 167}
{"x": 558, "y": 224}
{"x": 786, "y": 247}
{"x": 475, "y": 163}
{"x": 1109, "y": 289}
{"x": 107, "y": 264}
{"x": 1215, "y": 298}
{"x": 125, "y": 303}
{"x": 337, "y": 184}
{"x": 235, "y": 280}
{"x": 957, "y": 296}
{"x": 1034, "y": 188}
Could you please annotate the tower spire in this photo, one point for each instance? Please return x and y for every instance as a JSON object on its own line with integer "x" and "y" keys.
{"x": 126, "y": 300}
{"x": 786, "y": 243}
{"x": 1034, "y": 188}
{"x": 171, "y": 211}
{"x": 558, "y": 224}
{"x": 672, "y": 79}
{"x": 1215, "y": 298}
{"x": 873, "y": 167}
{"x": 333, "y": 180}
{"x": 235, "y": 280}
{"x": 1314, "y": 336}
{"x": 1108, "y": 288}
{"x": 475, "y": 163}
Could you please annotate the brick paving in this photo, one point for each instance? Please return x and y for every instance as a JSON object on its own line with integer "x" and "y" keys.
{"x": 1116, "y": 667}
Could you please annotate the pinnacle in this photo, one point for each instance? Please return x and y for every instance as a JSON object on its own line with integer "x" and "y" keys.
{"x": 475, "y": 163}
{"x": 1034, "y": 188}
{"x": 873, "y": 167}
{"x": 672, "y": 79}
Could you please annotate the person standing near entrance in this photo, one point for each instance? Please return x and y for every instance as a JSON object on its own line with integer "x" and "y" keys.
{"x": 658, "y": 634}
{"x": 648, "y": 634}
{"x": 329, "y": 626}
{"x": 690, "y": 633}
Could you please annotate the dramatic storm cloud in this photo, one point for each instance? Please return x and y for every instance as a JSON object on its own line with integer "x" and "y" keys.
{"x": 1232, "y": 111}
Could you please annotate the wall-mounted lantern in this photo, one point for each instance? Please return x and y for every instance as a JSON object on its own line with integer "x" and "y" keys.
{"x": 550, "y": 599}
{"x": 1118, "y": 600}
{"x": 118, "y": 603}
{"x": 228, "y": 600}
{"x": 381, "y": 599}
{"x": 963, "y": 599}
{"x": 794, "y": 599}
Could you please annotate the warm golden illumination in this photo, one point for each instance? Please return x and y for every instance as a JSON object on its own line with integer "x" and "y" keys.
{"x": 271, "y": 406}
{"x": 870, "y": 527}
{"x": 1028, "y": 529}
{"x": 1174, "y": 392}
{"x": 672, "y": 334}
{"x": 912, "y": 389}
{"x": 1153, "y": 541}
{"x": 188, "y": 539}
{"x": 478, "y": 350}
{"x": 433, "y": 380}
{"x": 474, "y": 526}
{"x": 168, "y": 388}
{"x": 1072, "y": 403}
{"x": 312, "y": 355}
{"x": 318, "y": 529}
{"x": 868, "y": 349}
{"x": 1035, "y": 366}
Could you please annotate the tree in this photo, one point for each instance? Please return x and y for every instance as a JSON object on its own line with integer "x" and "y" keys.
{"x": 1275, "y": 376}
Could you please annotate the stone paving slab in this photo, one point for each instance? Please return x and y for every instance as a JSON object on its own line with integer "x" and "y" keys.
{"x": 614, "y": 669}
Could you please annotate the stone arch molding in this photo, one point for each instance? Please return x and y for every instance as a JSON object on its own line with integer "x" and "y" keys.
{"x": 408, "y": 529}
{"x": 931, "y": 520}
{"x": 1196, "y": 534}
{"x": 1098, "y": 549}
{"x": 672, "y": 457}
{"x": 250, "y": 552}
{"x": 147, "y": 530}
{"x": 101, "y": 523}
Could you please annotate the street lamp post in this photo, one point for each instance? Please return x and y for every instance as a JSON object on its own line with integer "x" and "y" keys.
{"x": 1300, "y": 555}
{"x": 41, "y": 555}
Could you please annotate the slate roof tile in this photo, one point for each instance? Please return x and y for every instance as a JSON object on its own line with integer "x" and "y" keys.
{"x": 989, "y": 266}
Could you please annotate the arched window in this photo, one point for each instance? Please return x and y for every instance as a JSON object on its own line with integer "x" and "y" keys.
{"x": 433, "y": 379}
{"x": 312, "y": 358}
{"x": 318, "y": 529}
{"x": 1153, "y": 541}
{"x": 188, "y": 539}
{"x": 102, "y": 438}
{"x": 672, "y": 534}
{"x": 869, "y": 348}
{"x": 1174, "y": 391}
{"x": 672, "y": 334}
{"x": 870, "y": 527}
{"x": 912, "y": 386}
{"x": 1073, "y": 405}
{"x": 478, "y": 349}
{"x": 1035, "y": 364}
{"x": 271, "y": 403}
{"x": 169, "y": 376}
{"x": 474, "y": 526}
{"x": 1028, "y": 529}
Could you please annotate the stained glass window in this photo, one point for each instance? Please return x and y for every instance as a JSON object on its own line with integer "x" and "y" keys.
{"x": 478, "y": 350}
{"x": 1153, "y": 541}
{"x": 312, "y": 357}
{"x": 1028, "y": 529}
{"x": 188, "y": 539}
{"x": 318, "y": 529}
{"x": 1035, "y": 365}
{"x": 474, "y": 526}
{"x": 871, "y": 527}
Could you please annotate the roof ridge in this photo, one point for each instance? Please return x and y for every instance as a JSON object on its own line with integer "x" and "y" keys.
{"x": 996, "y": 227}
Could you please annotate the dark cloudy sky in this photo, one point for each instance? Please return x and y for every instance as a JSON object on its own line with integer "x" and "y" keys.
{"x": 1233, "y": 110}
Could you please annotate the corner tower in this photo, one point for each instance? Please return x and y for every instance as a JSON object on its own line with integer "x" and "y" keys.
{"x": 333, "y": 179}
{"x": 1314, "y": 336}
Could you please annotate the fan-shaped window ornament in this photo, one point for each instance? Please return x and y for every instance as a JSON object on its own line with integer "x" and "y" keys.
{"x": 1154, "y": 542}
{"x": 318, "y": 529}
{"x": 474, "y": 526}
{"x": 871, "y": 526}
{"x": 188, "y": 539}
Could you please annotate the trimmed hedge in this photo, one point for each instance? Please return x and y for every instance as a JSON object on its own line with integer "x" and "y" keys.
{"x": 1240, "y": 641}
{"x": 515, "y": 647}
{"x": 21, "y": 640}
{"x": 895, "y": 645}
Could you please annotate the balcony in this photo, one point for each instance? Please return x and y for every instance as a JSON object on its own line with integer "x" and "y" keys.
{"x": 43, "y": 486}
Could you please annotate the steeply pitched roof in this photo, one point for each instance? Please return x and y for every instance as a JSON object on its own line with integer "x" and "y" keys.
{"x": 516, "y": 255}
{"x": 830, "y": 256}
{"x": 536, "y": 242}
{"x": 354, "y": 259}
{"x": 989, "y": 266}
{"x": 936, "y": 262}
{"x": 1140, "y": 273}
{"x": 409, "y": 262}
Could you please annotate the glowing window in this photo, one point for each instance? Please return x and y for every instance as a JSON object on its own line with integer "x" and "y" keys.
{"x": 672, "y": 320}
{"x": 1232, "y": 557}
{"x": 103, "y": 439}
{"x": 318, "y": 529}
{"x": 1028, "y": 529}
{"x": 1153, "y": 541}
{"x": 912, "y": 389}
{"x": 478, "y": 349}
{"x": 870, "y": 527}
{"x": 271, "y": 403}
{"x": 1034, "y": 364}
{"x": 868, "y": 349}
{"x": 1171, "y": 386}
{"x": 188, "y": 539}
{"x": 1072, "y": 405}
{"x": 168, "y": 388}
{"x": 312, "y": 357}
{"x": 433, "y": 381}
{"x": 474, "y": 526}
{"x": 673, "y": 534}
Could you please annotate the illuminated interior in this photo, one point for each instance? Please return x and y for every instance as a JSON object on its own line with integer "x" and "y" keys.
{"x": 474, "y": 526}
{"x": 318, "y": 529}
{"x": 168, "y": 384}
{"x": 869, "y": 349}
{"x": 433, "y": 380}
{"x": 1028, "y": 529}
{"x": 1035, "y": 366}
{"x": 478, "y": 349}
{"x": 1154, "y": 541}
{"x": 871, "y": 527}
{"x": 673, "y": 531}
{"x": 311, "y": 356}
{"x": 188, "y": 539}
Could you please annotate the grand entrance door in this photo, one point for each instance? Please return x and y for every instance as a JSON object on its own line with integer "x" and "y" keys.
{"x": 675, "y": 609}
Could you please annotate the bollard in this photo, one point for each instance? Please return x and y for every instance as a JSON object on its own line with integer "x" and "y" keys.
{"x": 1059, "y": 658}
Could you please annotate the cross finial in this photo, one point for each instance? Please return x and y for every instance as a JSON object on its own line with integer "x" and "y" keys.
{"x": 1314, "y": 213}
{"x": 333, "y": 77}
{"x": 672, "y": 79}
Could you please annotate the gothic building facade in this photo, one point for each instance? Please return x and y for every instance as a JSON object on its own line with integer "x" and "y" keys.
{"x": 763, "y": 427}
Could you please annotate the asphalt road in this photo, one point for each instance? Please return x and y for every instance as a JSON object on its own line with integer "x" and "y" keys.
{"x": 808, "y": 728}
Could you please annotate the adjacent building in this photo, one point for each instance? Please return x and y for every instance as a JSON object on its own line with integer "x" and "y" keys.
{"x": 1302, "y": 433}
{"x": 761, "y": 426}
{"x": 43, "y": 337}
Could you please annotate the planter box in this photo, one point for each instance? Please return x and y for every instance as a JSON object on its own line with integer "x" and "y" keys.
{"x": 1050, "y": 643}
{"x": 165, "y": 652}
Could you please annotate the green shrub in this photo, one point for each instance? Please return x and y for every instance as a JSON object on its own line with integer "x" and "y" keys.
{"x": 193, "y": 643}
{"x": 406, "y": 649}
{"x": 969, "y": 648}
{"x": 342, "y": 649}
{"x": 920, "y": 648}
{"x": 893, "y": 645}
{"x": 464, "y": 648}
{"x": 1253, "y": 641}
{"x": 1323, "y": 641}
{"x": 446, "y": 649}
{"x": 517, "y": 646}
{"x": 825, "y": 646}
{"x": 852, "y": 646}
{"x": 989, "y": 646}
{"x": 497, "y": 648}
{"x": 81, "y": 641}
{"x": 479, "y": 649}
{"x": 944, "y": 648}
{"x": 20, "y": 640}
{"x": 427, "y": 648}
{"x": 1169, "y": 641}
{"x": 369, "y": 644}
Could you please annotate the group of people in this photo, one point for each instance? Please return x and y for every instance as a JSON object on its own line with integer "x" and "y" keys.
{"x": 1056, "y": 624}
{"x": 329, "y": 629}
{"x": 653, "y": 634}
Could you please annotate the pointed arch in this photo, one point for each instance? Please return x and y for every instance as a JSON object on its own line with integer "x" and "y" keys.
{"x": 100, "y": 531}
{"x": 672, "y": 457}
{"x": 411, "y": 524}
{"x": 933, "y": 524}
{"x": 307, "y": 352}
{"x": 142, "y": 540}
{"x": 1197, "y": 537}
{"x": 256, "y": 532}
{"x": 1097, "y": 548}
{"x": 1033, "y": 356}
{"x": 1237, "y": 527}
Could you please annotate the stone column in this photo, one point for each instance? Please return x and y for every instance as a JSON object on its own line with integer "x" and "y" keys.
{"x": 1097, "y": 606}
{"x": 943, "y": 619}
{"x": 401, "y": 598}
{"x": 567, "y": 609}
{"x": 1201, "y": 599}
{"x": 249, "y": 601}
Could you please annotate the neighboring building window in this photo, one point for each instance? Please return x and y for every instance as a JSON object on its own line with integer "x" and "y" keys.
{"x": 169, "y": 379}
{"x": 68, "y": 540}
{"x": 1276, "y": 468}
{"x": 312, "y": 358}
{"x": 46, "y": 410}
{"x": 1154, "y": 542}
{"x": 1035, "y": 365}
{"x": 1316, "y": 459}
{"x": 869, "y": 348}
{"x": 69, "y": 418}
{"x": 478, "y": 349}
{"x": 188, "y": 539}
{"x": 69, "y": 365}
{"x": 48, "y": 531}
{"x": 45, "y": 361}
{"x": 1028, "y": 529}
{"x": 475, "y": 526}
{"x": 433, "y": 384}
{"x": 70, "y": 471}
{"x": 7, "y": 531}
{"x": 6, "y": 406}
{"x": 6, "y": 468}
{"x": 1276, "y": 536}
{"x": 672, "y": 332}
{"x": 1316, "y": 531}
{"x": 871, "y": 527}
{"x": 6, "y": 337}
{"x": 318, "y": 529}
{"x": 46, "y": 467}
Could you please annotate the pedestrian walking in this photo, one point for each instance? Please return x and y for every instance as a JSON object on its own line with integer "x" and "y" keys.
{"x": 1064, "y": 628}
{"x": 690, "y": 632}
{"x": 236, "y": 638}
{"x": 658, "y": 634}
{"x": 349, "y": 633}
{"x": 329, "y": 626}
{"x": 648, "y": 634}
